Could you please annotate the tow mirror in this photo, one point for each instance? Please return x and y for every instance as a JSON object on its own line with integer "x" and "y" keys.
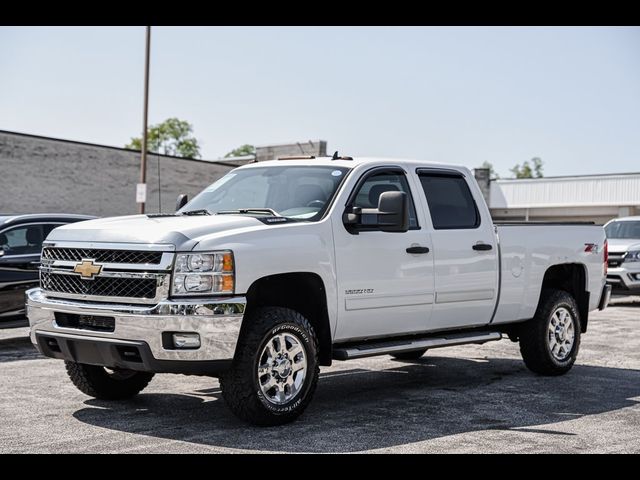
{"x": 392, "y": 214}
{"x": 182, "y": 200}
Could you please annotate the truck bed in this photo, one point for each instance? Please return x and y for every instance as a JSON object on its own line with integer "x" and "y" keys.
{"x": 527, "y": 249}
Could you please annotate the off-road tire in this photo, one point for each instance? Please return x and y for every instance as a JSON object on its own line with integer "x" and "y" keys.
{"x": 239, "y": 384}
{"x": 99, "y": 383}
{"x": 414, "y": 355}
{"x": 534, "y": 335}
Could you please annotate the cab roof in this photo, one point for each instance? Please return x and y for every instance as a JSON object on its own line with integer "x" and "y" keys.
{"x": 354, "y": 162}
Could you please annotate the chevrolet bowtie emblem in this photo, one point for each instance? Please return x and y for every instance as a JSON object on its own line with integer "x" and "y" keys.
{"x": 87, "y": 269}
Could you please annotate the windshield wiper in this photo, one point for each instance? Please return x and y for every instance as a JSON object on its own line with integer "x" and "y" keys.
{"x": 249, "y": 210}
{"x": 202, "y": 211}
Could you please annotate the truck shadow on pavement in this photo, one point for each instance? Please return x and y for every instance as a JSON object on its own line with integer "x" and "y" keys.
{"x": 359, "y": 409}
{"x": 17, "y": 348}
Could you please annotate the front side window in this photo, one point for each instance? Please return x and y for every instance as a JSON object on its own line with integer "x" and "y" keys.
{"x": 451, "y": 203}
{"x": 369, "y": 193}
{"x": 25, "y": 240}
{"x": 297, "y": 192}
{"x": 625, "y": 229}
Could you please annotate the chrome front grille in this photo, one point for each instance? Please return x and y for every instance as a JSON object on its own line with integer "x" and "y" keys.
{"x": 101, "y": 255}
{"x": 143, "y": 288}
{"x": 127, "y": 273}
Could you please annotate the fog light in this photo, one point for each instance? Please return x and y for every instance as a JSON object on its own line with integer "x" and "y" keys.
{"x": 186, "y": 340}
{"x": 635, "y": 276}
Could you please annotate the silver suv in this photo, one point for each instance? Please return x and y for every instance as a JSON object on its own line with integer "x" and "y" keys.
{"x": 623, "y": 236}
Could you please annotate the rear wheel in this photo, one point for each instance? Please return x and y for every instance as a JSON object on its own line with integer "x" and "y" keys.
{"x": 549, "y": 342}
{"x": 107, "y": 384}
{"x": 414, "y": 355}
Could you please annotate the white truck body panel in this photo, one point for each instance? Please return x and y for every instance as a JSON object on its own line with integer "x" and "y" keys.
{"x": 527, "y": 251}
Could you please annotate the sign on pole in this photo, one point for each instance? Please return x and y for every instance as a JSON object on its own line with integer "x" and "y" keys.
{"x": 141, "y": 192}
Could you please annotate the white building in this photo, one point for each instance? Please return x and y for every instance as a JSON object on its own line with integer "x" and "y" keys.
{"x": 597, "y": 198}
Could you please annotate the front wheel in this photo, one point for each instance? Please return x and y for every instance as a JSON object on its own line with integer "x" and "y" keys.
{"x": 549, "y": 342}
{"x": 275, "y": 370}
{"x": 107, "y": 384}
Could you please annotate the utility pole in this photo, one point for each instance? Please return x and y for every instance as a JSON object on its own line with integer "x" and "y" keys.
{"x": 141, "y": 190}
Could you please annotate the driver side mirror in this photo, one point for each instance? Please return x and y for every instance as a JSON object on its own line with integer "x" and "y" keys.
{"x": 182, "y": 200}
{"x": 392, "y": 214}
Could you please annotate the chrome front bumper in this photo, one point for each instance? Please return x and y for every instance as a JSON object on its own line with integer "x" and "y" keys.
{"x": 216, "y": 320}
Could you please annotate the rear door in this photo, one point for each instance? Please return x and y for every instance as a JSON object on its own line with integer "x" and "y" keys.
{"x": 464, "y": 250}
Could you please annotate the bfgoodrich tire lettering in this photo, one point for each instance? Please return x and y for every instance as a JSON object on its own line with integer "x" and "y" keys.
{"x": 243, "y": 385}
{"x": 539, "y": 343}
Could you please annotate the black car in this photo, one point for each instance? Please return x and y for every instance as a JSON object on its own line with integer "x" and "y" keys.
{"x": 21, "y": 238}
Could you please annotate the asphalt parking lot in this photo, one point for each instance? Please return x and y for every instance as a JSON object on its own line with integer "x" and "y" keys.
{"x": 461, "y": 399}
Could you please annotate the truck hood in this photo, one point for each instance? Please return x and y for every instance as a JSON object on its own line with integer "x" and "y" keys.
{"x": 182, "y": 231}
{"x": 621, "y": 245}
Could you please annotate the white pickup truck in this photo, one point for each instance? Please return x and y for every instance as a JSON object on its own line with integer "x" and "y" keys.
{"x": 623, "y": 237}
{"x": 283, "y": 266}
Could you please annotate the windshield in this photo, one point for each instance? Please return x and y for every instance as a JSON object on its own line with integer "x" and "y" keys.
{"x": 625, "y": 229}
{"x": 296, "y": 192}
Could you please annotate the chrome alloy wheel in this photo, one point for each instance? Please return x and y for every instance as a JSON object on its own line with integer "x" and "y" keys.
{"x": 282, "y": 368}
{"x": 561, "y": 334}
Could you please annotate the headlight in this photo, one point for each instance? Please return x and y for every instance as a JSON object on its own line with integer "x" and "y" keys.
{"x": 632, "y": 256}
{"x": 203, "y": 273}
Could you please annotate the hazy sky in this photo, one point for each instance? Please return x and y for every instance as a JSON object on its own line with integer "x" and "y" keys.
{"x": 465, "y": 95}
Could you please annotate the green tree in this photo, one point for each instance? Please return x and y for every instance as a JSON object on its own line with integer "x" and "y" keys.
{"x": 537, "y": 167}
{"x": 526, "y": 170}
{"x": 241, "y": 151}
{"x": 492, "y": 172}
{"x": 171, "y": 137}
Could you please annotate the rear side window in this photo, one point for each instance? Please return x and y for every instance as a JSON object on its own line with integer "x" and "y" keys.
{"x": 450, "y": 201}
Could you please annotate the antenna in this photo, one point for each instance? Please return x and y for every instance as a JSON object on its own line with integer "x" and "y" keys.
{"x": 340, "y": 157}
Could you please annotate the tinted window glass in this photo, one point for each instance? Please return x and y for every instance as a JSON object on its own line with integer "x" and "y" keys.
{"x": 375, "y": 185}
{"x": 450, "y": 202}
{"x": 624, "y": 229}
{"x": 22, "y": 240}
{"x": 298, "y": 192}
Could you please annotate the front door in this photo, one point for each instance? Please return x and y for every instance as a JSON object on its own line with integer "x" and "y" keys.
{"x": 19, "y": 262}
{"x": 464, "y": 252}
{"x": 382, "y": 288}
